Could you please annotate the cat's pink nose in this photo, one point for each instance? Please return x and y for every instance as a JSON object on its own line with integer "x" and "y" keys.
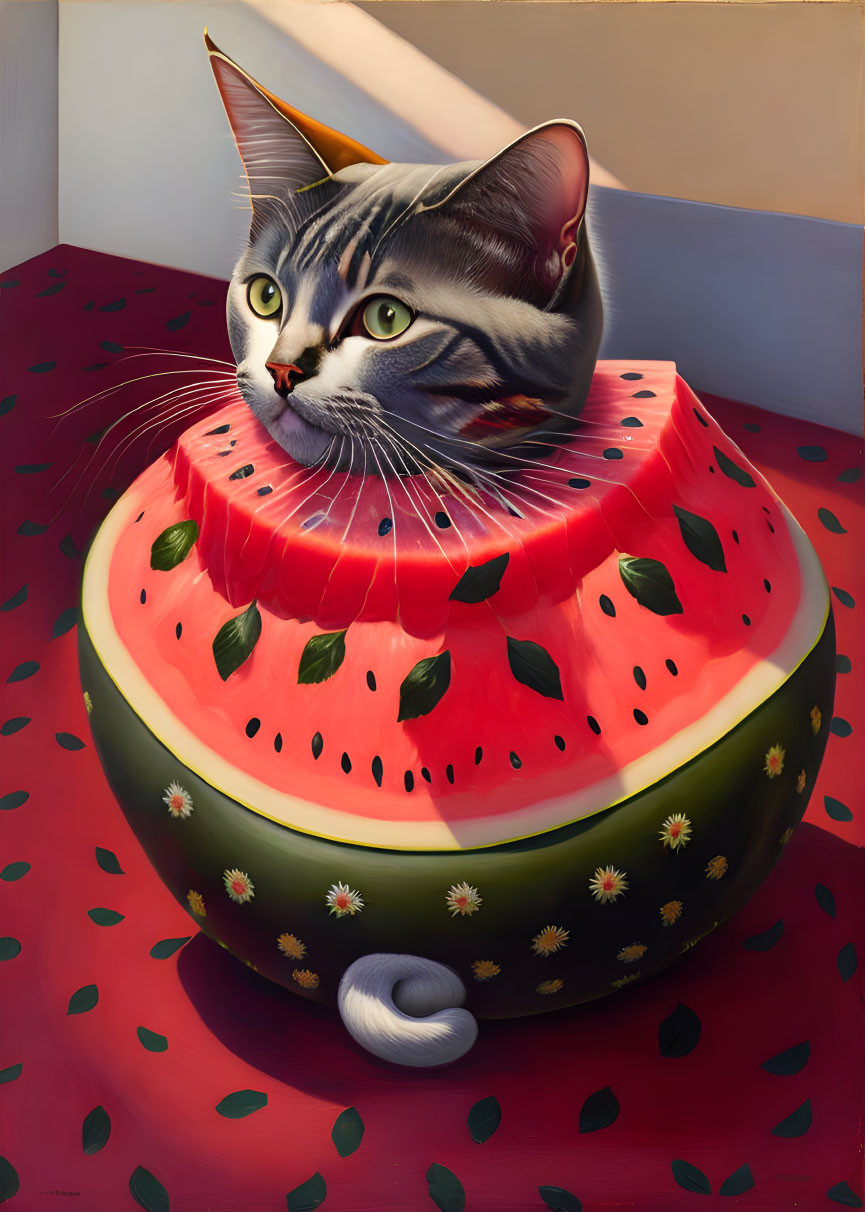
{"x": 285, "y": 375}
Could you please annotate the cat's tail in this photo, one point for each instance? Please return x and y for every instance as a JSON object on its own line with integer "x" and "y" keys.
{"x": 404, "y": 1009}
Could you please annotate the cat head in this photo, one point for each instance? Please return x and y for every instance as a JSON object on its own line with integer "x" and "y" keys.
{"x": 392, "y": 317}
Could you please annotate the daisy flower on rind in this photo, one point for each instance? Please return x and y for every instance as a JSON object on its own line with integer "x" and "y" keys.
{"x": 238, "y": 885}
{"x": 675, "y": 831}
{"x": 344, "y": 901}
{"x": 774, "y": 761}
{"x": 178, "y": 799}
{"x": 608, "y": 883}
{"x": 462, "y": 899}
{"x": 550, "y": 940}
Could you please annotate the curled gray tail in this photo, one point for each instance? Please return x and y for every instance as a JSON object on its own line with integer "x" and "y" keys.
{"x": 405, "y": 1009}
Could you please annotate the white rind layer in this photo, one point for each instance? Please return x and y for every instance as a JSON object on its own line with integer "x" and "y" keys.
{"x": 759, "y": 684}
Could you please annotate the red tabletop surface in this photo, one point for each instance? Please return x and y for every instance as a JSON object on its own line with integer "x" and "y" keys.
{"x": 734, "y": 1079}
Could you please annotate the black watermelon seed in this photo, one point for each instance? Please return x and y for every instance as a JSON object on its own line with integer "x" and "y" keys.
{"x": 771, "y": 527}
{"x": 560, "y": 742}
{"x": 219, "y": 429}
{"x": 812, "y": 454}
{"x": 17, "y": 599}
{"x": 639, "y": 677}
{"x": 117, "y": 305}
{"x": 370, "y": 679}
{"x": 671, "y": 665}
{"x": 377, "y": 770}
{"x": 449, "y": 773}
{"x": 631, "y": 423}
{"x": 146, "y": 290}
{"x": 13, "y": 799}
{"x": 311, "y": 522}
{"x": 442, "y": 520}
{"x": 766, "y": 509}
{"x": 712, "y": 470}
{"x": 643, "y": 395}
{"x": 252, "y": 726}
{"x": 612, "y": 452}
{"x": 221, "y": 454}
{"x": 142, "y": 597}
{"x": 515, "y": 761}
{"x": 41, "y": 368}
{"x": 88, "y": 306}
{"x": 140, "y": 516}
{"x": 233, "y": 442}
{"x": 178, "y": 321}
{"x": 631, "y": 374}
{"x": 425, "y": 774}
{"x": 317, "y": 745}
{"x": 640, "y": 716}
{"x": 178, "y": 630}
{"x": 751, "y": 427}
{"x": 14, "y": 725}
{"x": 7, "y": 404}
{"x": 111, "y": 347}
{"x": 277, "y": 742}
{"x": 408, "y": 779}
{"x": 262, "y": 492}
{"x": 28, "y": 529}
{"x": 68, "y": 548}
{"x": 593, "y": 724}
{"x": 345, "y": 762}
{"x": 385, "y": 526}
{"x": 514, "y": 513}
{"x": 767, "y": 585}
{"x": 29, "y": 469}
{"x": 701, "y": 419}
{"x": 735, "y": 536}
{"x": 746, "y": 620}
{"x": 242, "y": 472}
{"x": 579, "y": 482}
{"x": 843, "y": 664}
{"x": 479, "y": 753}
{"x": 607, "y": 606}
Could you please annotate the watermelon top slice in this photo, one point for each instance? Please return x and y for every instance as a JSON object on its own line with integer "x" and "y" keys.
{"x": 418, "y": 666}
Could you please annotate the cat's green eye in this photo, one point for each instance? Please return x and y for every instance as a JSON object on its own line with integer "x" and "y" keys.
{"x": 264, "y": 297}
{"x": 385, "y": 317}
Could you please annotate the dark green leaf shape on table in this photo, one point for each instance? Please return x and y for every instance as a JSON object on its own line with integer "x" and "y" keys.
{"x": 812, "y": 454}
{"x": 739, "y": 1181}
{"x": 9, "y": 948}
{"x": 68, "y": 740}
{"x": 845, "y": 598}
{"x": 599, "y": 1110}
{"x": 173, "y": 546}
{"x": 796, "y": 1123}
{"x": 23, "y": 671}
{"x": 241, "y": 1103}
{"x": 733, "y": 470}
{"x": 533, "y": 666}
{"x": 423, "y": 687}
{"x": 167, "y": 947}
{"x": 791, "y": 1060}
{"x": 13, "y": 799}
{"x": 321, "y": 657}
{"x": 178, "y": 321}
{"x": 560, "y": 1200}
{"x": 701, "y": 539}
{"x": 66, "y": 620}
{"x": 9, "y": 1182}
{"x": 766, "y": 940}
{"x": 679, "y": 1033}
{"x": 151, "y": 1040}
{"x": 484, "y": 1118}
{"x": 847, "y": 961}
{"x": 308, "y": 1196}
{"x": 825, "y": 899}
{"x": 83, "y": 999}
{"x": 842, "y": 1194}
{"x": 690, "y": 1178}
{"x": 147, "y": 1191}
{"x": 445, "y": 1189}
{"x": 480, "y": 581}
{"x": 105, "y": 917}
{"x": 17, "y": 599}
{"x": 14, "y": 725}
{"x": 650, "y": 583}
{"x": 10, "y": 1073}
{"x": 829, "y": 520}
{"x": 14, "y": 871}
{"x": 95, "y": 1130}
{"x": 836, "y": 810}
{"x": 235, "y": 641}
{"x": 347, "y": 1131}
{"x": 108, "y": 861}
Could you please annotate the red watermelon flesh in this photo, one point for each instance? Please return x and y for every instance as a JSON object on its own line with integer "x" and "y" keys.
{"x": 650, "y": 476}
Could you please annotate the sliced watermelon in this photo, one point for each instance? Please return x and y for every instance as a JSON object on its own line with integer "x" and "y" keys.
{"x": 615, "y": 673}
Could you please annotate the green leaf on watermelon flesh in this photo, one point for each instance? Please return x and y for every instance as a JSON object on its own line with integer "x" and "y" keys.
{"x": 422, "y": 688}
{"x": 173, "y": 545}
{"x": 701, "y": 539}
{"x": 733, "y": 470}
{"x": 235, "y": 641}
{"x": 480, "y": 581}
{"x": 650, "y": 583}
{"x": 534, "y": 667}
{"x": 321, "y": 657}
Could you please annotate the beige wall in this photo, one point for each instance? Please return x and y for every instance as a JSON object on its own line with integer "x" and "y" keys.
{"x": 745, "y": 104}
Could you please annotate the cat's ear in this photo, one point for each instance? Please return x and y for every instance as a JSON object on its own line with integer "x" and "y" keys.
{"x": 282, "y": 149}
{"x": 534, "y": 192}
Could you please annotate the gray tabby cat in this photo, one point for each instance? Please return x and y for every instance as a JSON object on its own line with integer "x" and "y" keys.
{"x": 404, "y": 318}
